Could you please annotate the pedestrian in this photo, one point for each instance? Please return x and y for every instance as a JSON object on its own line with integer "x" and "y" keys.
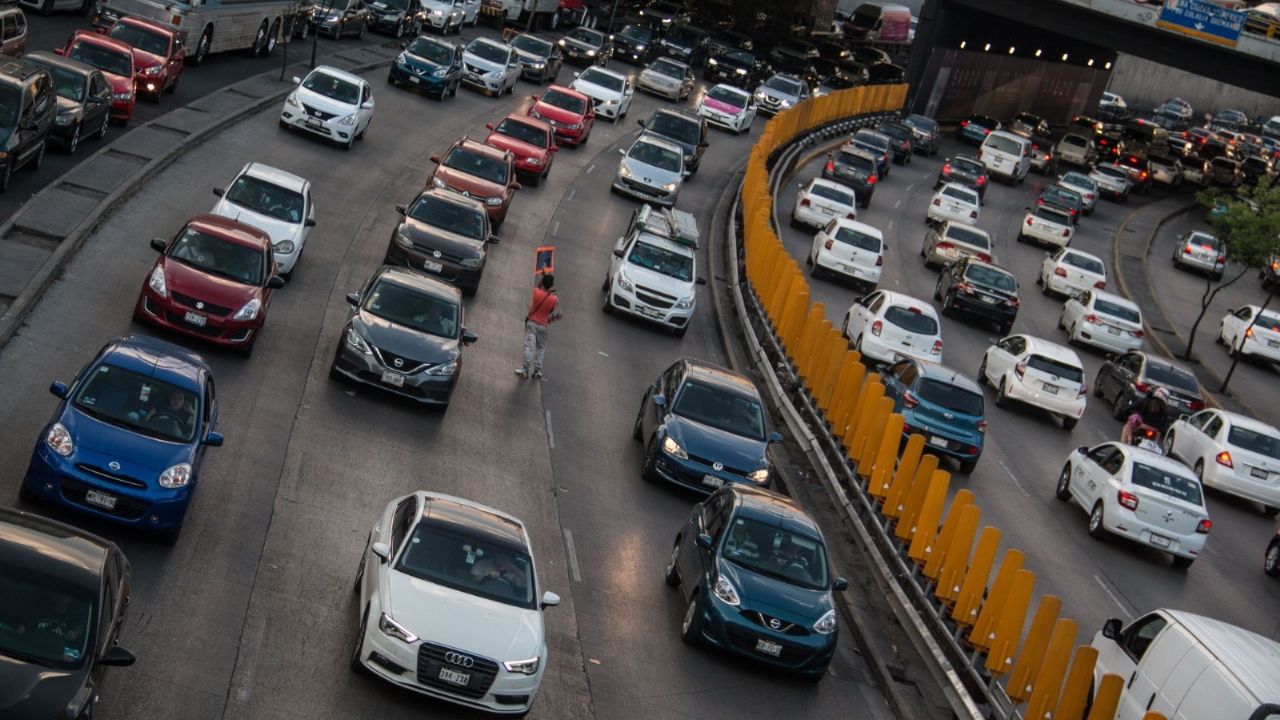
{"x": 544, "y": 309}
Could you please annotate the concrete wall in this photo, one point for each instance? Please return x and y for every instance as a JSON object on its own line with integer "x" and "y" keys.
{"x": 1145, "y": 84}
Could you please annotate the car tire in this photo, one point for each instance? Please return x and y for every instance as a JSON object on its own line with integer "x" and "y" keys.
{"x": 672, "y": 573}
{"x": 982, "y": 372}
{"x": 1271, "y": 561}
{"x": 1022, "y": 238}
{"x": 355, "y": 586}
{"x": 691, "y": 625}
{"x": 1062, "y": 325}
{"x": 650, "y": 457}
{"x": 937, "y": 290}
{"x": 1167, "y": 445}
{"x": 1002, "y": 399}
{"x": 1182, "y": 563}
{"x": 102, "y": 131}
{"x": 74, "y": 142}
{"x": 1006, "y": 328}
{"x": 1097, "y": 530}
{"x": 968, "y": 466}
{"x": 202, "y": 47}
{"x": 1097, "y": 385}
{"x": 1199, "y": 471}
{"x": 357, "y": 649}
{"x": 1069, "y": 423}
{"x": 679, "y": 332}
{"x": 1120, "y": 410}
{"x": 1270, "y": 510}
{"x": 38, "y": 160}
{"x": 259, "y": 41}
{"x": 27, "y": 495}
{"x": 1063, "y": 489}
{"x": 1220, "y": 339}
{"x": 949, "y": 304}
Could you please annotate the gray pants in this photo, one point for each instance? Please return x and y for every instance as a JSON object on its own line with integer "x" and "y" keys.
{"x": 535, "y": 345}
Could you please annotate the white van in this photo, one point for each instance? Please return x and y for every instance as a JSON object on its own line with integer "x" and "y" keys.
{"x": 1271, "y": 128}
{"x": 1189, "y": 667}
{"x": 1006, "y": 155}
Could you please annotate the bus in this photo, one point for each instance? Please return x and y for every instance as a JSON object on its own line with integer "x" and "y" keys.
{"x": 210, "y": 26}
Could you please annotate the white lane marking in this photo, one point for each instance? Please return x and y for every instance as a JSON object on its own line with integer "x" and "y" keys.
{"x": 889, "y": 226}
{"x": 601, "y": 352}
{"x": 591, "y": 168}
{"x": 911, "y": 187}
{"x": 897, "y": 204}
{"x": 555, "y": 229}
{"x": 1103, "y": 584}
{"x": 551, "y": 437}
{"x": 575, "y": 572}
{"x": 572, "y": 192}
{"x": 1012, "y": 477}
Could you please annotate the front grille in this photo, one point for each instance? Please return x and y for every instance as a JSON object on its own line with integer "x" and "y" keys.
{"x": 126, "y": 507}
{"x": 745, "y": 641}
{"x": 407, "y": 366}
{"x": 641, "y": 187}
{"x": 111, "y": 476}
{"x": 710, "y": 462}
{"x": 473, "y": 69}
{"x": 437, "y": 254}
{"x": 317, "y": 113}
{"x": 784, "y": 627}
{"x": 654, "y": 298}
{"x": 431, "y": 658}
{"x": 206, "y": 330}
{"x": 202, "y": 306}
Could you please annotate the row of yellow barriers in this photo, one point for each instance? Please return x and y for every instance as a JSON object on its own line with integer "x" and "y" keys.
{"x": 1037, "y": 668}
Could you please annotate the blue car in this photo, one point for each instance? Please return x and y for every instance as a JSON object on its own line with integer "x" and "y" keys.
{"x": 942, "y": 405}
{"x": 756, "y": 582}
{"x": 704, "y": 426}
{"x": 432, "y": 65}
{"x": 125, "y": 443}
{"x": 975, "y": 129}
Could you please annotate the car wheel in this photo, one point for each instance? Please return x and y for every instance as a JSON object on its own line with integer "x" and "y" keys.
{"x": 27, "y": 495}
{"x": 1063, "y": 491}
{"x": 355, "y": 586}
{"x": 259, "y": 41}
{"x": 1096, "y": 529}
{"x": 102, "y": 131}
{"x": 1220, "y": 339}
{"x": 360, "y": 33}
{"x": 5, "y": 176}
{"x": 1021, "y": 237}
{"x": 1271, "y": 561}
{"x": 1006, "y": 328}
{"x": 46, "y": 8}
{"x": 650, "y": 457}
{"x": 269, "y": 46}
{"x": 1179, "y": 562}
{"x": 968, "y": 466}
{"x": 1097, "y": 385}
{"x": 1069, "y": 423}
{"x": 1002, "y": 399}
{"x": 36, "y": 162}
{"x": 1167, "y": 445}
{"x": 1270, "y": 510}
{"x": 1199, "y": 471}
{"x": 937, "y": 290}
{"x": 982, "y": 372}
{"x": 74, "y": 142}
{"x": 949, "y": 303}
{"x": 1062, "y": 324}
{"x": 691, "y": 626}
{"x": 672, "y": 575}
{"x": 1120, "y": 410}
{"x": 357, "y": 648}
{"x": 202, "y": 47}
{"x": 1044, "y": 286}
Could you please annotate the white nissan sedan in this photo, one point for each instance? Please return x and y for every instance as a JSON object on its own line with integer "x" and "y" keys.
{"x": 1230, "y": 452}
{"x": 276, "y": 202}
{"x": 1250, "y": 330}
{"x": 331, "y": 103}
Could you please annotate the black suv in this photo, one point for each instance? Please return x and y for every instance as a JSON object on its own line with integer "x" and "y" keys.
{"x": 684, "y": 129}
{"x": 979, "y": 289}
{"x": 27, "y": 109}
{"x": 635, "y": 44}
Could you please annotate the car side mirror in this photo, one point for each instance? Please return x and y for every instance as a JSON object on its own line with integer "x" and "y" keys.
{"x": 159, "y": 244}
{"x": 296, "y": 80}
{"x": 534, "y": 97}
{"x": 402, "y": 209}
{"x": 275, "y": 282}
{"x": 617, "y": 252}
{"x": 435, "y": 159}
{"x": 1231, "y": 310}
{"x": 840, "y": 585}
{"x": 468, "y": 337}
{"x": 118, "y": 657}
{"x": 309, "y": 222}
{"x": 382, "y": 550}
{"x": 367, "y": 104}
{"x": 622, "y": 152}
{"x": 353, "y": 299}
{"x": 700, "y": 281}
{"x": 775, "y": 437}
{"x": 550, "y": 599}
{"x": 1111, "y": 628}
{"x": 488, "y": 126}
{"x": 640, "y": 122}
{"x": 58, "y": 389}
{"x": 404, "y": 46}
{"x": 515, "y": 185}
{"x": 58, "y": 51}
{"x": 218, "y": 191}
{"x": 213, "y": 439}
{"x": 660, "y": 400}
{"x": 554, "y": 148}
{"x": 704, "y": 541}
{"x": 576, "y": 73}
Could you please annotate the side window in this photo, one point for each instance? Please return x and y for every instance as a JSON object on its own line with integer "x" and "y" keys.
{"x": 1101, "y": 454}
{"x": 1113, "y": 463}
{"x": 718, "y": 515}
{"x": 365, "y": 92}
{"x": 710, "y": 510}
{"x": 907, "y": 373}
{"x": 31, "y": 96}
{"x": 110, "y": 588}
{"x": 209, "y": 399}
{"x": 10, "y": 28}
{"x": 1017, "y": 345}
{"x": 20, "y": 24}
{"x": 1199, "y": 419}
{"x": 1213, "y": 426}
{"x": 1244, "y": 313}
{"x": 1138, "y": 637}
{"x": 44, "y": 93}
{"x": 876, "y": 301}
{"x": 401, "y": 521}
{"x": 99, "y": 84}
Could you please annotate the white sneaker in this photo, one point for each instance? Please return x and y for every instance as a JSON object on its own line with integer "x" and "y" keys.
{"x": 521, "y": 373}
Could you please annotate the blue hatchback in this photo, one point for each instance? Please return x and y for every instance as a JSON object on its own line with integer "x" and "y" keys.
{"x": 125, "y": 443}
{"x": 942, "y": 405}
{"x": 975, "y": 129}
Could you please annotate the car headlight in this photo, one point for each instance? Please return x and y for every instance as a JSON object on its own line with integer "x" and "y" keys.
{"x": 640, "y": 47}
{"x": 348, "y": 120}
{"x": 394, "y": 629}
{"x": 670, "y": 187}
{"x": 712, "y": 62}
{"x": 444, "y": 369}
{"x": 561, "y": 42}
{"x": 591, "y": 53}
{"x": 760, "y": 476}
{"x": 175, "y": 477}
{"x": 290, "y": 100}
{"x": 826, "y": 624}
{"x": 402, "y": 58}
{"x": 493, "y": 201}
{"x": 760, "y": 97}
{"x": 249, "y": 311}
{"x": 59, "y": 440}
{"x": 725, "y": 590}
{"x": 534, "y": 161}
{"x": 471, "y": 262}
{"x": 624, "y": 171}
{"x": 438, "y": 182}
{"x": 284, "y": 247}
{"x": 612, "y": 101}
{"x": 685, "y": 303}
{"x": 437, "y": 13}
{"x": 440, "y": 73}
{"x": 740, "y": 71}
{"x": 538, "y": 66}
{"x": 157, "y": 283}
{"x": 123, "y": 96}
{"x": 524, "y": 667}
{"x": 786, "y": 103}
{"x": 625, "y": 283}
{"x": 357, "y": 342}
{"x": 574, "y": 126}
{"x": 671, "y": 447}
{"x": 151, "y": 71}
{"x": 402, "y": 239}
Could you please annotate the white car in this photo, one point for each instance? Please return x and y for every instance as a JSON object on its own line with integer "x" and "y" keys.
{"x": 887, "y": 326}
{"x": 780, "y": 92}
{"x": 849, "y": 248}
{"x": 1006, "y": 155}
{"x": 819, "y": 201}
{"x": 1046, "y": 225}
{"x": 1198, "y": 250}
{"x": 1113, "y": 181}
{"x": 1139, "y": 495}
{"x": 444, "y": 15}
{"x": 954, "y": 203}
{"x": 1085, "y": 186}
{"x": 1103, "y": 320}
{"x": 1036, "y": 372}
{"x": 490, "y": 66}
{"x": 654, "y": 269}
{"x": 450, "y": 606}
{"x": 1113, "y": 102}
{"x": 651, "y": 170}
{"x": 331, "y": 103}
{"x": 952, "y": 241}
{"x": 610, "y": 91}
{"x": 728, "y": 107}
{"x": 667, "y": 78}
{"x": 277, "y": 203}
{"x": 1068, "y": 271}
{"x": 471, "y": 11}
{"x": 1251, "y": 331}
{"x": 1230, "y": 452}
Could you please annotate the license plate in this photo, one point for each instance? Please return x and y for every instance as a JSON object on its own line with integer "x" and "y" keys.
{"x": 195, "y": 318}
{"x": 1159, "y": 541}
{"x": 768, "y": 648}
{"x": 454, "y": 677}
{"x": 848, "y": 269}
{"x": 1273, "y": 343}
{"x": 649, "y": 312}
{"x": 938, "y": 442}
{"x": 100, "y": 499}
{"x": 988, "y": 300}
{"x": 473, "y": 77}
{"x": 432, "y": 266}
{"x": 314, "y": 122}
{"x": 1051, "y": 389}
{"x": 1113, "y": 331}
{"x": 1259, "y": 473}
{"x": 393, "y": 378}
{"x": 712, "y": 481}
{"x": 414, "y": 79}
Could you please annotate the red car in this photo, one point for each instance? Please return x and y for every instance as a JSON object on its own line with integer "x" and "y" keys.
{"x": 478, "y": 171}
{"x": 114, "y": 58}
{"x": 157, "y": 54}
{"x": 568, "y": 111}
{"x": 212, "y": 281}
{"x": 531, "y": 141}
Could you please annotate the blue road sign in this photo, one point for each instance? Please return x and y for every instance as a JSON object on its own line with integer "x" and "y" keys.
{"x": 1202, "y": 20}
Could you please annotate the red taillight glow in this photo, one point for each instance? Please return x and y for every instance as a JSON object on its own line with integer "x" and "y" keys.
{"x": 964, "y": 287}
{"x": 1142, "y": 387}
{"x": 986, "y": 131}
{"x": 871, "y": 180}
{"x": 831, "y": 166}
{"x": 1040, "y": 202}
{"x": 937, "y": 202}
{"x": 982, "y": 426}
{"x": 1028, "y": 221}
{"x": 1101, "y": 285}
{"x": 1021, "y": 368}
{"x": 984, "y": 257}
{"x": 1127, "y": 499}
{"x": 1066, "y": 232}
{"x": 1222, "y": 258}
{"x": 1224, "y": 459}
{"x": 946, "y": 169}
{"x": 1196, "y": 405}
{"x": 876, "y": 327}
{"x": 1137, "y": 333}
{"x": 1204, "y": 526}
{"x": 1059, "y": 272}
{"x": 973, "y": 214}
{"x": 828, "y": 244}
{"x": 1186, "y": 250}
{"x": 1092, "y": 319}
{"x": 850, "y": 216}
{"x": 805, "y": 203}
{"x": 1084, "y": 388}
{"x": 964, "y": 123}
{"x": 937, "y": 347}
{"x": 944, "y": 245}
{"x": 982, "y": 180}
{"x": 909, "y": 400}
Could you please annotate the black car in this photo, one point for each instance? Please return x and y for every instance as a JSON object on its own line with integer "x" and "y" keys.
{"x": 975, "y": 128}
{"x": 445, "y": 235}
{"x": 665, "y": 14}
{"x": 867, "y": 56}
{"x": 926, "y": 137}
{"x": 965, "y": 170}
{"x": 793, "y": 49}
{"x": 1028, "y": 125}
{"x": 723, "y": 41}
{"x": 540, "y": 61}
{"x": 1126, "y": 380}
{"x": 834, "y": 51}
{"x": 1256, "y": 168}
{"x": 886, "y": 74}
{"x": 979, "y": 289}
{"x": 65, "y": 596}
{"x": 902, "y": 140}
{"x": 834, "y": 82}
{"x": 876, "y": 144}
{"x": 856, "y": 170}
{"x": 1139, "y": 173}
{"x": 584, "y": 46}
{"x": 686, "y": 43}
{"x": 685, "y": 129}
{"x": 405, "y": 336}
{"x": 635, "y": 44}
{"x": 395, "y": 17}
{"x": 1069, "y": 201}
{"x": 807, "y": 69}
{"x": 736, "y": 67}
{"x": 84, "y": 99}
{"x": 28, "y": 107}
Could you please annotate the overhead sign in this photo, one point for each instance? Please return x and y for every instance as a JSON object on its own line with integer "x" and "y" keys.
{"x": 1202, "y": 20}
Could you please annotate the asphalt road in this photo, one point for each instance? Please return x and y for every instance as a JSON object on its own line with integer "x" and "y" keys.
{"x": 251, "y": 614}
{"x": 1025, "y": 450}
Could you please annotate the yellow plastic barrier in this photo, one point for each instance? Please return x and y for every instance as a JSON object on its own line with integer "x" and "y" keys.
{"x": 886, "y": 455}
{"x": 903, "y": 476}
{"x": 1009, "y": 627}
{"x": 793, "y": 316}
{"x": 1031, "y": 659}
{"x": 814, "y": 327}
{"x": 980, "y": 635}
{"x": 942, "y": 541}
{"x": 1153, "y": 715}
{"x": 906, "y": 528}
{"x": 930, "y": 515}
{"x": 1107, "y": 699}
{"x": 873, "y": 431}
{"x": 965, "y": 612}
{"x": 872, "y": 391}
{"x": 848, "y": 386}
{"x": 956, "y": 559}
{"x": 1075, "y": 690}
{"x": 836, "y": 351}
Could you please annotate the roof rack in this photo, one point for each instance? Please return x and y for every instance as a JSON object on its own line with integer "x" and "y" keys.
{"x": 677, "y": 226}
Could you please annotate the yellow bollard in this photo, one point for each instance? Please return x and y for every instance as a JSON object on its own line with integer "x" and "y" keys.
{"x": 814, "y": 351}
{"x": 804, "y": 346}
{"x": 821, "y": 359}
{"x": 1032, "y": 658}
{"x": 903, "y": 476}
{"x": 915, "y": 499}
{"x": 1009, "y": 627}
{"x": 942, "y": 541}
{"x": 1075, "y": 690}
{"x": 926, "y": 527}
{"x": 1107, "y": 697}
{"x": 886, "y": 454}
{"x": 866, "y": 415}
{"x": 830, "y": 378}
{"x": 983, "y": 628}
{"x": 872, "y": 432}
{"x": 956, "y": 559}
{"x": 969, "y": 598}
{"x": 847, "y": 386}
{"x": 794, "y": 308}
{"x": 1153, "y": 715}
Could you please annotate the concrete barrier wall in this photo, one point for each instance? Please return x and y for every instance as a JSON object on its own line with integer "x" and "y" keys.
{"x": 1143, "y": 83}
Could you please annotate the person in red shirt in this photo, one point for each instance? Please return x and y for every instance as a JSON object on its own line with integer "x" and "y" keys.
{"x": 544, "y": 309}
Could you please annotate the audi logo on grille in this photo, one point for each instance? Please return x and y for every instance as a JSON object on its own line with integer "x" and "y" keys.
{"x": 717, "y": 466}
{"x": 455, "y": 658}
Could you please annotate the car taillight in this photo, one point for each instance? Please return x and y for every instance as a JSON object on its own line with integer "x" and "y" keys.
{"x": 1196, "y": 405}
{"x": 1048, "y": 156}
{"x": 805, "y": 203}
{"x": 1013, "y": 302}
{"x": 986, "y": 131}
{"x": 973, "y": 214}
{"x": 831, "y": 166}
{"x": 876, "y": 327}
{"x": 1084, "y": 388}
{"x": 982, "y": 181}
{"x": 1186, "y": 250}
{"x": 1137, "y": 333}
{"x": 964, "y": 123}
{"x": 1066, "y": 232}
{"x": 850, "y": 216}
{"x": 984, "y": 257}
{"x": 1224, "y": 459}
{"x": 1142, "y": 175}
{"x": 944, "y": 245}
{"x": 909, "y": 400}
{"x": 1142, "y": 387}
{"x": 1059, "y": 272}
{"x": 982, "y": 426}
{"x": 871, "y": 180}
{"x": 937, "y": 202}
{"x": 1222, "y": 258}
{"x": 1092, "y": 319}
{"x": 946, "y": 169}
{"x": 1073, "y": 212}
{"x": 879, "y": 261}
{"x": 1127, "y": 499}
{"x": 964, "y": 287}
{"x": 828, "y": 244}
{"x": 1101, "y": 284}
{"x": 1021, "y": 369}
{"x": 1040, "y": 202}
{"x": 1028, "y": 221}
{"x": 937, "y": 347}
{"x": 1204, "y": 526}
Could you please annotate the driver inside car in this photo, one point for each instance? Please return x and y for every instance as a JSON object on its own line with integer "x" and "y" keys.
{"x": 498, "y": 568}
{"x": 175, "y": 410}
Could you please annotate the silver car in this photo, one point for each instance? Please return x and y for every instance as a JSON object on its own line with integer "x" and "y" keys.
{"x": 1197, "y": 250}
{"x": 1083, "y": 185}
{"x": 1165, "y": 172}
{"x": 668, "y": 78}
{"x": 780, "y": 92}
{"x": 652, "y": 170}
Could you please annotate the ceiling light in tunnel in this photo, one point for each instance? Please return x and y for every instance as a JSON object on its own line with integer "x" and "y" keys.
{"x": 1064, "y": 57}
{"x": 1011, "y": 49}
{"x": 1090, "y": 62}
{"x": 1108, "y": 65}
{"x": 962, "y": 42}
{"x": 1037, "y": 53}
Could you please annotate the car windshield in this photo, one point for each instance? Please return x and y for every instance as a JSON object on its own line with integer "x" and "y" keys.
{"x": 144, "y": 40}
{"x": 964, "y": 195}
{"x": 911, "y": 320}
{"x": 1167, "y": 483}
{"x": 1003, "y": 144}
{"x": 728, "y": 95}
{"x": 656, "y": 155}
{"x": 666, "y": 67}
{"x": 1116, "y": 310}
{"x": 489, "y": 51}
{"x": 1055, "y": 367}
{"x": 685, "y": 35}
{"x": 951, "y": 397}
{"x": 66, "y": 83}
{"x": 984, "y": 121}
{"x": 1054, "y": 216}
{"x": 266, "y": 198}
{"x": 921, "y": 123}
{"x": 10, "y": 99}
{"x": 662, "y": 260}
{"x": 477, "y": 164}
{"x": 968, "y": 236}
{"x": 992, "y": 278}
{"x": 1173, "y": 377}
{"x": 1084, "y": 262}
{"x": 1076, "y": 180}
{"x": 450, "y": 216}
{"x": 431, "y": 50}
{"x": 590, "y": 37}
{"x": 138, "y": 403}
{"x": 1268, "y": 321}
{"x": 563, "y": 101}
{"x": 858, "y": 239}
{"x": 776, "y": 552}
{"x": 105, "y": 59}
{"x": 334, "y": 88}
{"x": 739, "y": 57}
{"x": 605, "y": 80}
{"x": 524, "y": 132}
{"x": 44, "y": 620}
{"x": 871, "y": 140}
{"x": 637, "y": 33}
{"x": 413, "y": 309}
{"x": 532, "y": 45}
{"x": 220, "y": 257}
{"x": 731, "y": 412}
{"x": 674, "y": 126}
{"x": 829, "y": 193}
{"x": 783, "y": 85}
{"x": 469, "y": 564}
{"x": 1112, "y": 172}
{"x": 1254, "y": 441}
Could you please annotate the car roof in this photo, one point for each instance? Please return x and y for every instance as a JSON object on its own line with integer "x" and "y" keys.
{"x": 1156, "y": 459}
{"x": 476, "y": 146}
{"x": 1249, "y": 423}
{"x": 567, "y": 91}
{"x": 421, "y": 282}
{"x": 727, "y": 86}
{"x": 47, "y": 58}
{"x": 52, "y": 548}
{"x": 157, "y": 358}
{"x": 275, "y": 176}
{"x": 1081, "y": 253}
{"x": 451, "y": 196}
{"x": 948, "y": 225}
{"x": 94, "y": 38}
{"x": 937, "y": 371}
{"x": 14, "y": 70}
{"x": 472, "y": 518}
{"x": 786, "y": 76}
{"x": 958, "y": 185}
{"x": 1115, "y": 299}
{"x": 1052, "y": 350}
{"x": 773, "y": 508}
{"x": 525, "y": 120}
{"x": 489, "y": 41}
{"x": 1252, "y": 659}
{"x": 1009, "y": 135}
{"x": 343, "y": 74}
{"x": 724, "y": 378}
{"x": 230, "y": 230}
{"x": 897, "y": 298}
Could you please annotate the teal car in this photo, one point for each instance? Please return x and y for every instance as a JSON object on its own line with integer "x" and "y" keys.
{"x": 430, "y": 65}
{"x": 943, "y": 406}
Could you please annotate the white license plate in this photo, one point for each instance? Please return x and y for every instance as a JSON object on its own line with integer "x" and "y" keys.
{"x": 414, "y": 79}
{"x": 473, "y": 77}
{"x": 938, "y": 442}
{"x": 768, "y": 648}
{"x": 1259, "y": 473}
{"x": 649, "y": 312}
{"x": 1159, "y": 541}
{"x": 1113, "y": 331}
{"x": 1051, "y": 389}
{"x": 454, "y": 677}
{"x": 988, "y": 300}
{"x": 393, "y": 378}
{"x": 712, "y": 481}
{"x": 100, "y": 499}
{"x": 1273, "y": 343}
{"x": 315, "y": 122}
{"x": 195, "y": 318}
{"x": 432, "y": 266}
{"x": 848, "y": 269}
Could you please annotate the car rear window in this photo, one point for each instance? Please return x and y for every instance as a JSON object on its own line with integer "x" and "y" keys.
{"x": 1118, "y": 311}
{"x": 968, "y": 167}
{"x": 911, "y": 320}
{"x": 1171, "y": 376}
{"x": 1269, "y": 321}
{"x": 866, "y": 137}
{"x": 858, "y": 239}
{"x": 969, "y": 237}
{"x": 1056, "y": 367}
{"x": 1203, "y": 240}
{"x": 951, "y": 397}
{"x": 830, "y": 193}
{"x": 960, "y": 193}
{"x": 1003, "y": 144}
{"x": 1167, "y": 483}
{"x": 1253, "y": 441}
{"x": 1084, "y": 262}
{"x": 1112, "y": 172}
{"x": 1074, "y": 140}
{"x": 992, "y": 278}
{"x": 857, "y": 162}
{"x": 1053, "y": 216}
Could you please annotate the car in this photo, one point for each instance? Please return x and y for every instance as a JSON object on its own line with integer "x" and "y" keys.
{"x": 704, "y": 427}
{"x": 725, "y": 39}
{"x": 1106, "y": 321}
{"x": 1068, "y": 271}
{"x": 1165, "y": 171}
{"x": 445, "y": 235}
{"x": 1196, "y": 171}
{"x": 1109, "y": 147}
{"x": 728, "y": 107}
{"x": 1256, "y": 168}
{"x": 735, "y": 67}
{"x": 951, "y": 241}
{"x": 158, "y": 55}
{"x": 1028, "y": 125}
{"x": 14, "y": 40}
{"x": 1177, "y": 107}
{"x": 855, "y": 169}
{"x": 432, "y": 64}
{"x": 1047, "y": 226}
{"x": 682, "y": 128}
{"x": 277, "y": 203}
{"x": 942, "y": 406}
{"x": 793, "y": 47}
{"x": 819, "y": 201}
{"x": 780, "y": 92}
{"x": 900, "y": 137}
{"x": 651, "y": 170}
{"x": 965, "y": 170}
{"x": 1062, "y": 198}
{"x": 1139, "y": 495}
{"x": 1230, "y": 120}
{"x": 449, "y": 604}
{"x": 127, "y": 439}
{"x": 954, "y": 203}
{"x": 887, "y": 326}
{"x": 1082, "y": 185}
{"x": 828, "y": 84}
{"x": 635, "y": 44}
{"x": 28, "y": 111}
{"x": 1113, "y": 181}
{"x": 531, "y": 142}
{"x": 1006, "y": 155}
{"x": 975, "y": 128}
{"x": 753, "y": 570}
{"x": 1230, "y": 452}
{"x": 1127, "y": 380}
{"x": 1036, "y": 372}
{"x": 1086, "y": 125}
{"x": 83, "y": 102}
{"x": 1043, "y": 159}
{"x": 686, "y": 43}
{"x": 540, "y": 60}
{"x": 585, "y": 46}
{"x": 67, "y": 598}
{"x": 1112, "y": 102}
{"x": 667, "y": 78}
{"x": 1250, "y": 330}
{"x": 926, "y": 138}
{"x": 1198, "y": 250}
{"x": 1271, "y": 560}
{"x": 490, "y": 66}
{"x": 480, "y": 171}
{"x": 1139, "y": 173}
{"x": 875, "y": 143}
{"x": 406, "y": 333}
{"x": 396, "y": 17}
{"x": 569, "y": 112}
{"x": 850, "y": 249}
{"x": 114, "y": 58}
{"x": 342, "y": 17}
{"x": 653, "y": 272}
{"x": 1226, "y": 172}
{"x": 979, "y": 289}
{"x": 665, "y": 13}
{"x": 444, "y": 15}
{"x": 331, "y": 103}
{"x": 610, "y": 91}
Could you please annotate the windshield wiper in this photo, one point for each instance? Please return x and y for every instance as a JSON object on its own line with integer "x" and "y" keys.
{"x": 26, "y": 657}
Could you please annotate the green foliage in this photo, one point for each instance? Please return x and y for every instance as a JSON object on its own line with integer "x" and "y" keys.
{"x": 1248, "y": 222}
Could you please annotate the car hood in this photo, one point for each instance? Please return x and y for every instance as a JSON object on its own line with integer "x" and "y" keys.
{"x": 649, "y": 174}
{"x": 321, "y": 102}
{"x": 119, "y": 83}
{"x": 444, "y": 616}
{"x": 403, "y": 341}
{"x": 519, "y": 148}
{"x": 528, "y": 57}
{"x": 776, "y": 597}
{"x": 275, "y": 229}
{"x": 580, "y": 45}
{"x": 480, "y": 63}
{"x": 143, "y": 60}
{"x": 560, "y": 115}
{"x": 101, "y": 443}
{"x": 734, "y": 451}
{"x": 209, "y": 288}
{"x": 654, "y": 76}
{"x": 35, "y": 692}
{"x": 658, "y": 281}
{"x": 469, "y": 185}
{"x": 433, "y": 5}
{"x": 723, "y": 107}
{"x": 380, "y": 8}
{"x": 440, "y": 239}
{"x": 592, "y": 90}
{"x": 66, "y": 105}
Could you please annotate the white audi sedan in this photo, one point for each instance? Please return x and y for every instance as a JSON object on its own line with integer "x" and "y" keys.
{"x": 1230, "y": 452}
{"x": 276, "y": 202}
{"x": 610, "y": 91}
{"x": 1250, "y": 330}
{"x": 449, "y": 604}
{"x": 331, "y": 103}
